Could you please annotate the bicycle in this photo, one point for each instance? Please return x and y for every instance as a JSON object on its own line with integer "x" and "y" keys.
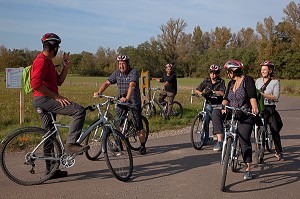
{"x": 231, "y": 148}
{"x": 128, "y": 126}
{"x": 263, "y": 139}
{"x": 150, "y": 108}
{"x": 199, "y": 133}
{"x": 24, "y": 157}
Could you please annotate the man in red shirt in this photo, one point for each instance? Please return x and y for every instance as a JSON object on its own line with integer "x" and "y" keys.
{"x": 45, "y": 81}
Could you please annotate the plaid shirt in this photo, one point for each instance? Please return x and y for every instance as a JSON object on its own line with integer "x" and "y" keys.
{"x": 123, "y": 80}
{"x": 208, "y": 85}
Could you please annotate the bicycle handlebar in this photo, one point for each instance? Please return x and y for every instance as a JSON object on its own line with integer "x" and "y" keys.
{"x": 243, "y": 109}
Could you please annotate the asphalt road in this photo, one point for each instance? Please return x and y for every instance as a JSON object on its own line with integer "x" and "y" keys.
{"x": 172, "y": 168}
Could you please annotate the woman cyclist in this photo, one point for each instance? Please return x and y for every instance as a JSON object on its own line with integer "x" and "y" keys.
{"x": 270, "y": 90}
{"x": 241, "y": 92}
{"x": 213, "y": 84}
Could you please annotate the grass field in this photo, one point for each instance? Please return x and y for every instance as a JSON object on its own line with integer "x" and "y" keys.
{"x": 81, "y": 89}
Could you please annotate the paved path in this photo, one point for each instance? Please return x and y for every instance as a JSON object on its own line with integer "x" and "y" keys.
{"x": 173, "y": 169}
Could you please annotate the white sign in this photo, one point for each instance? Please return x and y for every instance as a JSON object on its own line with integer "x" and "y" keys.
{"x": 13, "y": 77}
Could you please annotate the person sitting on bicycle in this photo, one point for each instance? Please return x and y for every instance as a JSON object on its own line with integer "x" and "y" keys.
{"x": 46, "y": 98}
{"x": 169, "y": 87}
{"x": 270, "y": 90}
{"x": 213, "y": 89}
{"x": 127, "y": 80}
{"x": 241, "y": 92}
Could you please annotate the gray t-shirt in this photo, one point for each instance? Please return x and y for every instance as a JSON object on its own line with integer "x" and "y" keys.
{"x": 273, "y": 88}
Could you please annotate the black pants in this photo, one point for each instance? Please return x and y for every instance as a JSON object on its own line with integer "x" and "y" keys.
{"x": 273, "y": 119}
{"x": 245, "y": 126}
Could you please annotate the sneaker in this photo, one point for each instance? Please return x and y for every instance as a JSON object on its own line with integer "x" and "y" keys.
{"x": 59, "y": 174}
{"x": 76, "y": 148}
{"x": 142, "y": 150}
{"x": 248, "y": 175}
{"x": 218, "y": 146}
{"x": 279, "y": 156}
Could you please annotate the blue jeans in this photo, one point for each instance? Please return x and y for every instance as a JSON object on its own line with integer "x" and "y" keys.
{"x": 206, "y": 122}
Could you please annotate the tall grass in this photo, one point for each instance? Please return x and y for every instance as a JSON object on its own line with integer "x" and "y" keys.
{"x": 81, "y": 89}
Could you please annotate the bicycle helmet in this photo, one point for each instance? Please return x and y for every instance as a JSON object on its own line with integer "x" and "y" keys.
{"x": 268, "y": 63}
{"x": 215, "y": 69}
{"x": 233, "y": 65}
{"x": 169, "y": 65}
{"x": 51, "y": 38}
{"x": 123, "y": 58}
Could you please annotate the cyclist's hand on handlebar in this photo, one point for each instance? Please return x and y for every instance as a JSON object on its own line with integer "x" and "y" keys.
{"x": 123, "y": 99}
{"x": 97, "y": 94}
{"x": 255, "y": 111}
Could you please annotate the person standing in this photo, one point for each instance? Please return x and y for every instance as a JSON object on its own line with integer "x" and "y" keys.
{"x": 169, "y": 87}
{"x": 127, "y": 80}
{"x": 241, "y": 92}
{"x": 45, "y": 81}
{"x": 213, "y": 89}
{"x": 270, "y": 89}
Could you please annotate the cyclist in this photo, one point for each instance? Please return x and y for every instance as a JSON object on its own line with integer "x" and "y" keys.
{"x": 270, "y": 90}
{"x": 127, "y": 80}
{"x": 46, "y": 98}
{"x": 169, "y": 87}
{"x": 211, "y": 85}
{"x": 241, "y": 92}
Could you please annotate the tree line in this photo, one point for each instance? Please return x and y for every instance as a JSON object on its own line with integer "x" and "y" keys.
{"x": 192, "y": 53}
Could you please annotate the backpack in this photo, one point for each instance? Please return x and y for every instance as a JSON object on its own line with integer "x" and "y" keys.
{"x": 25, "y": 80}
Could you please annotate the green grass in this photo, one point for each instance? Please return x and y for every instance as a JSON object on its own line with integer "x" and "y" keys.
{"x": 81, "y": 89}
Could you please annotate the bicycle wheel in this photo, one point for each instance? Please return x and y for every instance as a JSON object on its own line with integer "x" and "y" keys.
{"x": 118, "y": 155}
{"x": 225, "y": 163}
{"x": 94, "y": 140}
{"x": 148, "y": 110}
{"x": 198, "y": 136}
{"x": 236, "y": 156}
{"x": 260, "y": 144}
{"x": 26, "y": 160}
{"x": 269, "y": 141}
{"x": 177, "y": 110}
{"x": 132, "y": 135}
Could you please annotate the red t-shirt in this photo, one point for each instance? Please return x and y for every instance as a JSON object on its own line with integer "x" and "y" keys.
{"x": 43, "y": 73}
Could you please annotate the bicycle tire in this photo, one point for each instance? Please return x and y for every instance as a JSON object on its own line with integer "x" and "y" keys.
{"x": 148, "y": 110}
{"x": 225, "y": 163}
{"x": 16, "y": 149}
{"x": 260, "y": 145}
{"x": 132, "y": 137}
{"x": 94, "y": 140}
{"x": 269, "y": 141}
{"x": 236, "y": 156}
{"x": 177, "y": 110}
{"x": 198, "y": 136}
{"x": 118, "y": 156}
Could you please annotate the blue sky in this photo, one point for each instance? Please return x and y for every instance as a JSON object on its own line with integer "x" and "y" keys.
{"x": 86, "y": 25}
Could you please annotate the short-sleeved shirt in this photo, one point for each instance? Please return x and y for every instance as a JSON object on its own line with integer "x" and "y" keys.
{"x": 207, "y": 84}
{"x": 122, "y": 80}
{"x": 272, "y": 88}
{"x": 243, "y": 94}
{"x": 172, "y": 80}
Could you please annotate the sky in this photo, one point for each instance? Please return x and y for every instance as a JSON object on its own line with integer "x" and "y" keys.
{"x": 87, "y": 25}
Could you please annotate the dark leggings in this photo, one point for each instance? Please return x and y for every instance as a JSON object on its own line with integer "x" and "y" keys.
{"x": 275, "y": 126}
{"x": 245, "y": 126}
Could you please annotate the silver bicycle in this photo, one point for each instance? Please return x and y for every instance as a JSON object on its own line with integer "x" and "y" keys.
{"x": 231, "y": 148}
{"x": 31, "y": 155}
{"x": 153, "y": 107}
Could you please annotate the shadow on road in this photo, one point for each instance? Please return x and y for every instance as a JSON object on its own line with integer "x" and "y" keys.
{"x": 274, "y": 173}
